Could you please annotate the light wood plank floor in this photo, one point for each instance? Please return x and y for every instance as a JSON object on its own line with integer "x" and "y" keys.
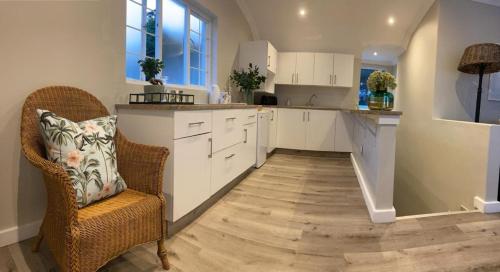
{"x": 303, "y": 213}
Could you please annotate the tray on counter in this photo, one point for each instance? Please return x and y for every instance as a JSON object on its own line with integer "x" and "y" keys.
{"x": 160, "y": 98}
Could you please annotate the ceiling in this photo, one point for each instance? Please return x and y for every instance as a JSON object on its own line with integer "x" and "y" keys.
{"x": 357, "y": 27}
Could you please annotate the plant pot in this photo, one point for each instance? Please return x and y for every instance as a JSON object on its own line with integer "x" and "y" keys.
{"x": 381, "y": 100}
{"x": 152, "y": 93}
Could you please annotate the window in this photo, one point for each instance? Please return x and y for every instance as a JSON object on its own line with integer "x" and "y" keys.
{"x": 363, "y": 88}
{"x": 183, "y": 44}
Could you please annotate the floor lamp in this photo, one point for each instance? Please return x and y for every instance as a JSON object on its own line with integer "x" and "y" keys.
{"x": 480, "y": 59}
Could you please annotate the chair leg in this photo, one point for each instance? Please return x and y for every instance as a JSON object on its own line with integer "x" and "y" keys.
{"x": 162, "y": 253}
{"x": 38, "y": 241}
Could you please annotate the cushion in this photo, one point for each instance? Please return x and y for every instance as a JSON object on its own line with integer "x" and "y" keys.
{"x": 86, "y": 150}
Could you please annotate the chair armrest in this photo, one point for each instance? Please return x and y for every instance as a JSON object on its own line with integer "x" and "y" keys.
{"x": 141, "y": 166}
{"x": 61, "y": 196}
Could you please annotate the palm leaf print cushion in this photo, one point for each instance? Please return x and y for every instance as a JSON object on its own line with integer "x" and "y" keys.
{"x": 86, "y": 151}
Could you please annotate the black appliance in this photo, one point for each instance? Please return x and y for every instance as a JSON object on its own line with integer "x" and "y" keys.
{"x": 268, "y": 100}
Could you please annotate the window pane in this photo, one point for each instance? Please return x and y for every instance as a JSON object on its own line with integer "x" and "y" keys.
{"x": 133, "y": 41}
{"x": 132, "y": 67}
{"x": 194, "y": 58}
{"x": 194, "y": 39}
{"x": 194, "y": 23}
{"x": 195, "y": 76}
{"x": 151, "y": 4}
{"x": 203, "y": 78}
{"x": 173, "y": 42}
{"x": 150, "y": 45}
{"x": 134, "y": 14}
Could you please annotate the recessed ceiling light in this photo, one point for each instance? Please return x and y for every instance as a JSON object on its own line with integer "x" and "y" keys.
{"x": 375, "y": 53}
{"x": 302, "y": 12}
{"x": 391, "y": 20}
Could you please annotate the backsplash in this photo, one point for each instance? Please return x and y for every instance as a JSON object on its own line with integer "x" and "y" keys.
{"x": 331, "y": 97}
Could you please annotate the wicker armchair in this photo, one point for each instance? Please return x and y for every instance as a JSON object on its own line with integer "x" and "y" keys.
{"x": 86, "y": 239}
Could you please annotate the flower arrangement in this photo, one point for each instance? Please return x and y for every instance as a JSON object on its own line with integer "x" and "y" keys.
{"x": 381, "y": 81}
{"x": 248, "y": 81}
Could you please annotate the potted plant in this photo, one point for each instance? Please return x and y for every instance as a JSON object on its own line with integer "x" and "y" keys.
{"x": 151, "y": 68}
{"x": 378, "y": 83}
{"x": 248, "y": 81}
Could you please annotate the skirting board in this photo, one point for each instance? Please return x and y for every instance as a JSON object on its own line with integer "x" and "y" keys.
{"x": 18, "y": 233}
{"x": 377, "y": 215}
{"x": 486, "y": 206}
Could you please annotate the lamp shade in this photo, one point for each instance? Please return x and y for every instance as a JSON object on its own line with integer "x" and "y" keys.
{"x": 477, "y": 55}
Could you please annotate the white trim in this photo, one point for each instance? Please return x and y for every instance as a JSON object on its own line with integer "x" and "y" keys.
{"x": 433, "y": 214}
{"x": 18, "y": 233}
{"x": 486, "y": 206}
{"x": 377, "y": 215}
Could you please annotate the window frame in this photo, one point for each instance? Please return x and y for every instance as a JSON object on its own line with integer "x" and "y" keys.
{"x": 190, "y": 9}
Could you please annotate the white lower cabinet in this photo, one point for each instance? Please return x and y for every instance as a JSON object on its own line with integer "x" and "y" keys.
{"x": 191, "y": 175}
{"x": 343, "y": 132}
{"x": 320, "y": 132}
{"x": 306, "y": 129}
{"x": 226, "y": 165}
{"x": 249, "y": 145}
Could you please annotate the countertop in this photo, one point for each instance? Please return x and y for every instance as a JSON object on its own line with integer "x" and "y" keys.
{"x": 360, "y": 111}
{"x": 186, "y": 107}
{"x": 175, "y": 107}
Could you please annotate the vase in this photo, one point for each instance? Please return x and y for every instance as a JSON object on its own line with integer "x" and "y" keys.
{"x": 248, "y": 96}
{"x": 381, "y": 100}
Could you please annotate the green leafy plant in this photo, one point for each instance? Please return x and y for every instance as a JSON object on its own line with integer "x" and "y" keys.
{"x": 249, "y": 80}
{"x": 381, "y": 81}
{"x": 151, "y": 68}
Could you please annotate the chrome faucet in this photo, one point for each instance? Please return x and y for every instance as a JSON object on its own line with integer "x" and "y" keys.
{"x": 310, "y": 103}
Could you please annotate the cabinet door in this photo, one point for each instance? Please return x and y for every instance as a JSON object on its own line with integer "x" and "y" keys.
{"x": 323, "y": 69}
{"x": 286, "y": 67}
{"x": 343, "y": 70}
{"x": 272, "y": 58}
{"x": 226, "y": 128}
{"x": 226, "y": 165}
{"x": 304, "y": 69}
{"x": 192, "y": 168}
{"x": 291, "y": 128}
{"x": 343, "y": 132}
{"x": 273, "y": 129}
{"x": 320, "y": 130}
{"x": 249, "y": 146}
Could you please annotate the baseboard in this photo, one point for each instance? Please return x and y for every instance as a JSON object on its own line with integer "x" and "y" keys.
{"x": 486, "y": 206}
{"x": 377, "y": 215}
{"x": 18, "y": 233}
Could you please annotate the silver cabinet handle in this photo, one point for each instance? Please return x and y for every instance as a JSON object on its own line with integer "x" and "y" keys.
{"x": 246, "y": 136}
{"x": 308, "y": 116}
{"x": 230, "y": 118}
{"x": 293, "y": 76}
{"x": 211, "y": 147}
{"x": 251, "y": 116}
{"x": 196, "y": 123}
{"x": 303, "y": 116}
{"x": 272, "y": 115}
{"x": 335, "y": 79}
{"x": 268, "y": 61}
{"x": 230, "y": 156}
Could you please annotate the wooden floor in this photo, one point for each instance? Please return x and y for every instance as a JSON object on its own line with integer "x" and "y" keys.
{"x": 302, "y": 213}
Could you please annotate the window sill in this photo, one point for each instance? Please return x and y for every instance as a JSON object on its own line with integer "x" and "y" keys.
{"x": 169, "y": 86}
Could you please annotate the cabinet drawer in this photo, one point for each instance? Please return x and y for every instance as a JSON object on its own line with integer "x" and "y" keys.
{"x": 188, "y": 123}
{"x": 227, "y": 128}
{"x": 226, "y": 165}
{"x": 248, "y": 116}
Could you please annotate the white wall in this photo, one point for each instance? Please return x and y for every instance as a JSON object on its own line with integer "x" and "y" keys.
{"x": 77, "y": 43}
{"x": 440, "y": 164}
{"x": 463, "y": 23}
{"x": 331, "y": 97}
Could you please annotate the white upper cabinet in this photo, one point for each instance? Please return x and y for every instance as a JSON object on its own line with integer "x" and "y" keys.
{"x": 343, "y": 70}
{"x": 286, "y": 68}
{"x": 320, "y": 69}
{"x": 323, "y": 69}
{"x": 304, "y": 69}
{"x": 263, "y": 55}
